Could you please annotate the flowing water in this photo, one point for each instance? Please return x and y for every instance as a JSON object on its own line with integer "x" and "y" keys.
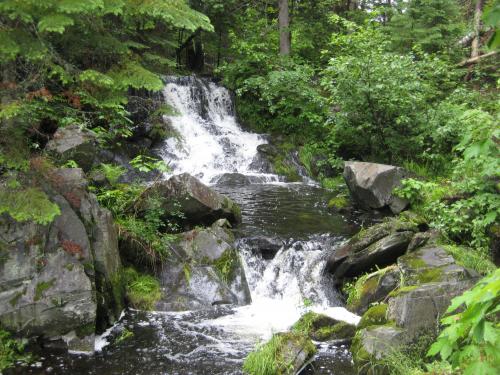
{"x": 210, "y": 145}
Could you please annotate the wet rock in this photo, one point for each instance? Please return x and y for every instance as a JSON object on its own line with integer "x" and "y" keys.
{"x": 418, "y": 309}
{"x": 61, "y": 277}
{"x": 199, "y": 203}
{"x": 371, "y": 185}
{"x": 206, "y": 271}
{"x": 374, "y": 288}
{"x": 266, "y": 246}
{"x": 321, "y": 327}
{"x": 373, "y": 343}
{"x": 381, "y": 253}
{"x": 376, "y": 315}
{"x": 74, "y": 143}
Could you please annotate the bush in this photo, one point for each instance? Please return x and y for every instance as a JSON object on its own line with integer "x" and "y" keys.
{"x": 143, "y": 291}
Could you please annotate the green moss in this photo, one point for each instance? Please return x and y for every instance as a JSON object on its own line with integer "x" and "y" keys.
{"x": 375, "y": 315}
{"x": 338, "y": 331}
{"x": 402, "y": 290}
{"x": 124, "y": 335}
{"x": 364, "y": 285}
{"x": 306, "y": 323}
{"x": 41, "y": 287}
{"x": 415, "y": 262}
{"x": 470, "y": 258}
{"x": 284, "y": 168}
{"x": 226, "y": 265}
{"x": 14, "y": 300}
{"x": 430, "y": 275}
{"x": 274, "y": 358}
{"x": 85, "y": 330}
{"x": 359, "y": 355}
{"x": 338, "y": 203}
{"x": 143, "y": 291}
{"x": 69, "y": 267}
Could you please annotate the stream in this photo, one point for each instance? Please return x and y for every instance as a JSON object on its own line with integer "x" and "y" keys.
{"x": 210, "y": 145}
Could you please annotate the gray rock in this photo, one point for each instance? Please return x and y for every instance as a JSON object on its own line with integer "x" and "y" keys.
{"x": 74, "y": 143}
{"x": 199, "y": 203}
{"x": 61, "y": 277}
{"x": 432, "y": 264}
{"x": 419, "y": 309}
{"x": 365, "y": 238}
{"x": 205, "y": 271}
{"x": 371, "y": 185}
{"x": 266, "y": 246}
{"x": 375, "y": 342}
{"x": 381, "y": 253}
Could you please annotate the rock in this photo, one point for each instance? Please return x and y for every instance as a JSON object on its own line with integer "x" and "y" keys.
{"x": 381, "y": 253}
{"x": 371, "y": 185}
{"x": 289, "y": 351}
{"x": 266, "y": 246}
{"x": 63, "y": 277}
{"x": 418, "y": 309}
{"x": 366, "y": 238}
{"x": 432, "y": 264}
{"x": 374, "y": 288}
{"x": 199, "y": 203}
{"x": 374, "y": 316}
{"x": 74, "y": 143}
{"x": 321, "y": 327}
{"x": 206, "y": 271}
{"x": 372, "y": 343}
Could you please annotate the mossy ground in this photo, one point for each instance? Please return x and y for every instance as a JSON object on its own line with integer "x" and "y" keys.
{"x": 272, "y": 357}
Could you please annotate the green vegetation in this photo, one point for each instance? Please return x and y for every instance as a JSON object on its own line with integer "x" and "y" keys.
{"x": 124, "y": 335}
{"x": 41, "y": 287}
{"x": 375, "y": 315}
{"x": 143, "y": 291}
{"x": 273, "y": 357}
{"x": 226, "y": 264}
{"x": 470, "y": 258}
{"x": 470, "y": 339}
{"x": 11, "y": 351}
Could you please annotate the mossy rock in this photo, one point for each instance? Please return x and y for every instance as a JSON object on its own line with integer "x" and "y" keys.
{"x": 373, "y": 287}
{"x": 340, "y": 203}
{"x": 320, "y": 327}
{"x": 284, "y": 353}
{"x": 374, "y": 316}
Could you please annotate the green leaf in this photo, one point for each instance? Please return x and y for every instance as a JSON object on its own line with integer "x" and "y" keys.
{"x": 54, "y": 23}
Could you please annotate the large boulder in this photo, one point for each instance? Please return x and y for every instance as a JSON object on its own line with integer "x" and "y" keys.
{"x": 379, "y": 245}
{"x": 61, "y": 281}
{"x": 372, "y": 185}
{"x": 321, "y": 327}
{"x": 205, "y": 270}
{"x": 418, "y": 309}
{"x": 266, "y": 246}
{"x": 75, "y": 143}
{"x": 199, "y": 204}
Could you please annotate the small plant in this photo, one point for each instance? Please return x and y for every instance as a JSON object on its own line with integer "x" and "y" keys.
{"x": 11, "y": 351}
{"x": 143, "y": 291}
{"x": 124, "y": 335}
{"x": 112, "y": 172}
{"x": 471, "y": 338}
{"x": 145, "y": 163}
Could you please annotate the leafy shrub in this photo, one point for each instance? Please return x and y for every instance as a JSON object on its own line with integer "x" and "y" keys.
{"x": 471, "y": 338}
{"x": 11, "y": 351}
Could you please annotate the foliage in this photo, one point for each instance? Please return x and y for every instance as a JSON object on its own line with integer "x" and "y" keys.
{"x": 272, "y": 358}
{"x": 27, "y": 204}
{"x": 124, "y": 335}
{"x": 143, "y": 291}
{"x": 471, "y": 338}
{"x": 144, "y": 163}
{"x": 11, "y": 351}
{"x": 435, "y": 25}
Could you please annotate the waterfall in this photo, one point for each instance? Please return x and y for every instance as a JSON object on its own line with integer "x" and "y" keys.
{"x": 208, "y": 140}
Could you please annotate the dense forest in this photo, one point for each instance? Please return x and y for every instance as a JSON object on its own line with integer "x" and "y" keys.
{"x": 410, "y": 83}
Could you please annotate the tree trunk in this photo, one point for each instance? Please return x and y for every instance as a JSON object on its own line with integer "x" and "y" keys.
{"x": 477, "y": 29}
{"x": 284, "y": 27}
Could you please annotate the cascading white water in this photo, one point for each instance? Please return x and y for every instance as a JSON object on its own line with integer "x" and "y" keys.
{"x": 208, "y": 142}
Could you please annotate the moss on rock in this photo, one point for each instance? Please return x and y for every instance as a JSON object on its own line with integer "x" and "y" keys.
{"x": 375, "y": 315}
{"x": 284, "y": 353}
